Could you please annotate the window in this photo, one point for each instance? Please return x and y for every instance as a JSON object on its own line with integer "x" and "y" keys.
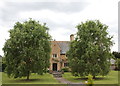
{"x": 66, "y": 64}
{"x": 54, "y": 55}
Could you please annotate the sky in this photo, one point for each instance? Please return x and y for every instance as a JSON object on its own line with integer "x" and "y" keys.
{"x": 60, "y": 16}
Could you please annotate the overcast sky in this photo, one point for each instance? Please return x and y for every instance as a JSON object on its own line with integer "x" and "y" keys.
{"x": 61, "y": 16}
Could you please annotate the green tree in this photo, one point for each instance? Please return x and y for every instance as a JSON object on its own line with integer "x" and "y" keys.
{"x": 117, "y": 59}
{"x": 3, "y": 64}
{"x": 116, "y": 55}
{"x": 28, "y": 49}
{"x": 90, "y": 52}
{"x": 0, "y": 63}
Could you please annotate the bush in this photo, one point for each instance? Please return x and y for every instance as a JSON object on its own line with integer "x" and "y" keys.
{"x": 90, "y": 80}
{"x": 75, "y": 74}
{"x": 117, "y": 68}
{"x": 65, "y": 69}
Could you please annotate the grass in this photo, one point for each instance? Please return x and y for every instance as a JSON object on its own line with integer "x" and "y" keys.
{"x": 46, "y": 79}
{"x": 0, "y": 59}
{"x": 111, "y": 78}
{"x": 34, "y": 79}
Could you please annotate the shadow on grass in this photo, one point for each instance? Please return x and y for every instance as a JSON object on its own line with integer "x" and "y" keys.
{"x": 24, "y": 80}
{"x": 29, "y": 80}
{"x": 97, "y": 78}
{"x": 81, "y": 79}
{"x": 101, "y": 78}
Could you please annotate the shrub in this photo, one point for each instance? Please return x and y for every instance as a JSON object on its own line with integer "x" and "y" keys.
{"x": 117, "y": 68}
{"x": 65, "y": 69}
{"x": 90, "y": 80}
{"x": 75, "y": 74}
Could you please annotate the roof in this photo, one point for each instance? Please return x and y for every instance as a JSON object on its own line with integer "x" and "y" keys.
{"x": 64, "y": 46}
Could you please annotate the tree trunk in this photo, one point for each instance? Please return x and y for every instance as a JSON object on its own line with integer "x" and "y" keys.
{"x": 93, "y": 77}
{"x": 28, "y": 75}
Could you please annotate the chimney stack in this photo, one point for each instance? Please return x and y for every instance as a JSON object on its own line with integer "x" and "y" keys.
{"x": 71, "y": 37}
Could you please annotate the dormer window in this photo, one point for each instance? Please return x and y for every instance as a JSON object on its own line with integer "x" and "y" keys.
{"x": 55, "y": 55}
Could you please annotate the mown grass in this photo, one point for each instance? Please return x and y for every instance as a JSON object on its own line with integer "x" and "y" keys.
{"x": 0, "y": 59}
{"x": 34, "y": 79}
{"x": 111, "y": 78}
{"x": 48, "y": 80}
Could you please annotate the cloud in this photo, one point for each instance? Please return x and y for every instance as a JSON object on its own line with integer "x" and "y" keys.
{"x": 61, "y": 16}
{"x": 12, "y": 9}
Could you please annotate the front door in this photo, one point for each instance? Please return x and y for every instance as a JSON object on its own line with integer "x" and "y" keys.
{"x": 54, "y": 66}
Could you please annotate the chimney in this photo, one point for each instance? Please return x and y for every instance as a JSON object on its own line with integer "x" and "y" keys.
{"x": 71, "y": 37}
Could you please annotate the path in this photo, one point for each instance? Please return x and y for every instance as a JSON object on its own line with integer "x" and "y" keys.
{"x": 64, "y": 81}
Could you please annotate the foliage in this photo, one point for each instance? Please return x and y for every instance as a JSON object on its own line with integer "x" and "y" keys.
{"x": 27, "y": 49}
{"x": 55, "y": 59}
{"x": 90, "y": 80}
{"x": 90, "y": 52}
{"x": 3, "y": 64}
{"x": 117, "y": 59}
{"x": 117, "y": 64}
{"x": 65, "y": 69}
{"x": 116, "y": 55}
{"x": 0, "y": 66}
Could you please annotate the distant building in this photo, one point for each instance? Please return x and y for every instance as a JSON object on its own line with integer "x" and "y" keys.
{"x": 59, "y": 58}
{"x": 113, "y": 66}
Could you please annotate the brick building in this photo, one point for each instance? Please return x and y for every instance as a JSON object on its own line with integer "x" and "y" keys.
{"x": 58, "y": 58}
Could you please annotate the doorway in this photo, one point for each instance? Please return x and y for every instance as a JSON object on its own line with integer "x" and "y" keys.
{"x": 54, "y": 66}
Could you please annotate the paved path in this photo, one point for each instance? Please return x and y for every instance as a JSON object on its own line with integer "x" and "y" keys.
{"x": 64, "y": 81}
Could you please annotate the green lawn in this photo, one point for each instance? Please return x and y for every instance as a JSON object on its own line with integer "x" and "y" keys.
{"x": 111, "y": 78}
{"x": 35, "y": 79}
{"x": 0, "y": 59}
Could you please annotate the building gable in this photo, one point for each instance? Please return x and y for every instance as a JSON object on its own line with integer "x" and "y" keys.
{"x": 55, "y": 48}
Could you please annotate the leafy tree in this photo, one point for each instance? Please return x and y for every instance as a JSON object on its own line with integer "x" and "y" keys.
{"x": 27, "y": 49}
{"x": 0, "y": 63}
{"x": 117, "y": 59}
{"x": 117, "y": 64}
{"x": 90, "y": 52}
{"x": 116, "y": 54}
{"x": 3, "y": 64}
